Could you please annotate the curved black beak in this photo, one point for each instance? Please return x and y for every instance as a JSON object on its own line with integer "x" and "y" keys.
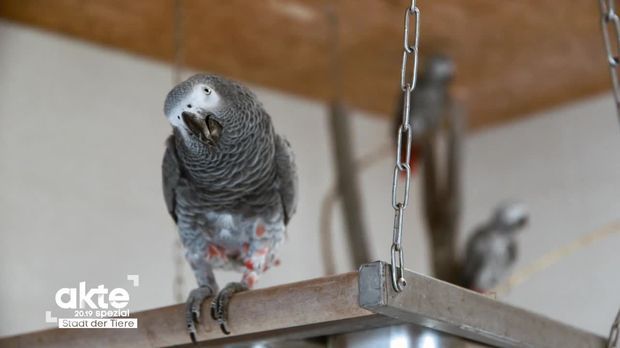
{"x": 205, "y": 127}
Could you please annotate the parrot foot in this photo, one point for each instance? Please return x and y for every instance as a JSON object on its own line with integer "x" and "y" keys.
{"x": 219, "y": 306}
{"x": 192, "y": 308}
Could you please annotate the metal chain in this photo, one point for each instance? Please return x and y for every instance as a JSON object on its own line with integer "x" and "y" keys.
{"x": 614, "y": 339}
{"x": 610, "y": 24}
{"x": 410, "y": 55}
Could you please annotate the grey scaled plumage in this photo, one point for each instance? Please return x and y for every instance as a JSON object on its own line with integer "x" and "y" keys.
{"x": 229, "y": 183}
{"x": 492, "y": 250}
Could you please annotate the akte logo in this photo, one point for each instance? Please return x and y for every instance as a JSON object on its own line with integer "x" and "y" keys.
{"x": 117, "y": 298}
{"x": 96, "y": 307}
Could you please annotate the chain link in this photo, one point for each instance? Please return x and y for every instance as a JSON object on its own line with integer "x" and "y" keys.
{"x": 610, "y": 24}
{"x": 404, "y": 137}
{"x": 614, "y": 333}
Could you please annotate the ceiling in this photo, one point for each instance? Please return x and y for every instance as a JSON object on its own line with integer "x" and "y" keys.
{"x": 512, "y": 57}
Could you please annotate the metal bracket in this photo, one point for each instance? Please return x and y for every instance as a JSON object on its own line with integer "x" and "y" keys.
{"x": 447, "y": 308}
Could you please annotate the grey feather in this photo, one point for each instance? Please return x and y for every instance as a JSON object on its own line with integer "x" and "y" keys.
{"x": 287, "y": 175}
{"x": 170, "y": 176}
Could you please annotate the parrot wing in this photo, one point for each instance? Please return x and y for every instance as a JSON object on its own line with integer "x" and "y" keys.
{"x": 474, "y": 258}
{"x": 287, "y": 175}
{"x": 512, "y": 252}
{"x": 170, "y": 176}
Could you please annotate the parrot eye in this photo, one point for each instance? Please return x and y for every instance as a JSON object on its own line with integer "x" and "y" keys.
{"x": 207, "y": 90}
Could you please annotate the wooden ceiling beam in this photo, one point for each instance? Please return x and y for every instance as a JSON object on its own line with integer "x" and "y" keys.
{"x": 512, "y": 57}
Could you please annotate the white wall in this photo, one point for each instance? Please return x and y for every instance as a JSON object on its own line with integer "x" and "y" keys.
{"x": 81, "y": 140}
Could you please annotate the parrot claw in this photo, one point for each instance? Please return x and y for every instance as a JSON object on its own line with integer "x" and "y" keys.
{"x": 219, "y": 306}
{"x": 192, "y": 308}
{"x": 213, "y": 316}
{"x": 224, "y": 328}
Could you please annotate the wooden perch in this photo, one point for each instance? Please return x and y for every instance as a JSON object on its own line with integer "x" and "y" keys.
{"x": 329, "y": 306}
{"x": 292, "y": 311}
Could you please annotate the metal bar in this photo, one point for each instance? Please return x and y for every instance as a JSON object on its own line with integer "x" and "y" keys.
{"x": 402, "y": 336}
{"x": 444, "y": 307}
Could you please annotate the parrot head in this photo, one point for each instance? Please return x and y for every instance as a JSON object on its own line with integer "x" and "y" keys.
{"x": 202, "y": 107}
{"x": 511, "y": 216}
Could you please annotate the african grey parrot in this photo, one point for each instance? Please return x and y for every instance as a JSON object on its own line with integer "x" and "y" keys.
{"x": 230, "y": 185}
{"x": 492, "y": 250}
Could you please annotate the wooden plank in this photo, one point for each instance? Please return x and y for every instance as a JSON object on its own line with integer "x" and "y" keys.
{"x": 330, "y": 306}
{"x": 291, "y": 311}
{"x": 441, "y": 306}
{"x": 512, "y": 57}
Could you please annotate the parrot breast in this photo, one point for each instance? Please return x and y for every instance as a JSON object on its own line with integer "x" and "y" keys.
{"x": 232, "y": 242}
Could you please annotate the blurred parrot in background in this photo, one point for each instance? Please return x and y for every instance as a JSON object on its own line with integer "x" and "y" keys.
{"x": 492, "y": 250}
{"x": 230, "y": 185}
{"x": 430, "y": 103}
{"x": 437, "y": 123}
